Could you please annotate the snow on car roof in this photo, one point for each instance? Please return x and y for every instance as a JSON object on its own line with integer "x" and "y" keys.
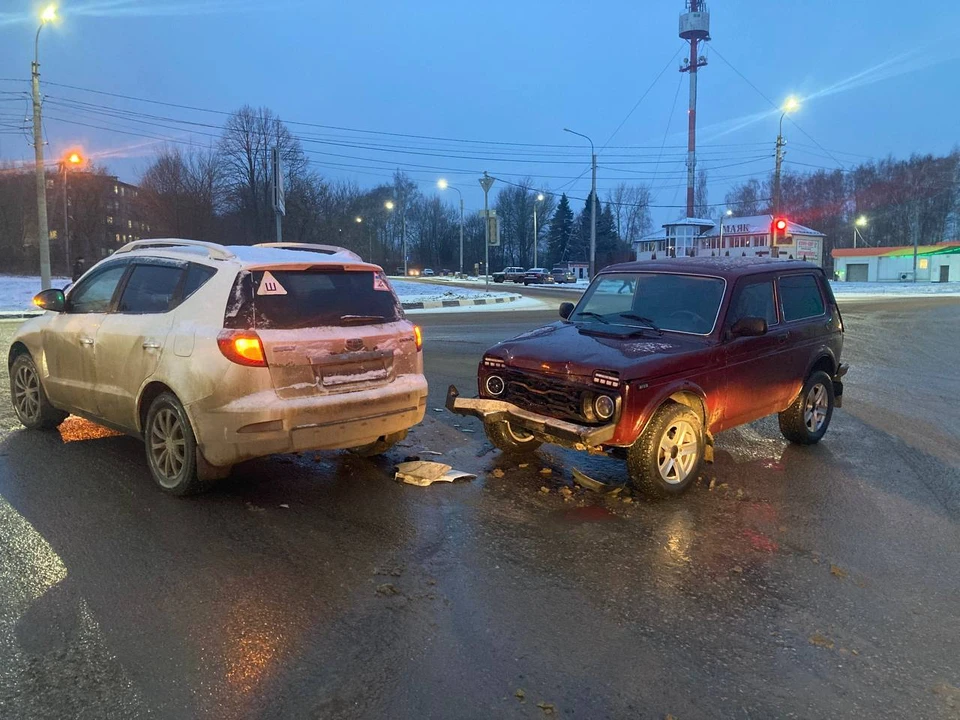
{"x": 249, "y": 255}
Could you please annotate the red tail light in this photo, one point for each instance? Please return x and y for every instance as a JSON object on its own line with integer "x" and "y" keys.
{"x": 418, "y": 337}
{"x": 242, "y": 347}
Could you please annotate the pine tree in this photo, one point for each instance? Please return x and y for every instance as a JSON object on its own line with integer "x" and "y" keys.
{"x": 561, "y": 232}
{"x": 582, "y": 244}
{"x": 610, "y": 248}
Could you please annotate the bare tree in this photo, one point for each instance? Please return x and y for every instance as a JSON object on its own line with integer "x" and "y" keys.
{"x": 701, "y": 207}
{"x": 245, "y": 151}
{"x": 181, "y": 193}
{"x": 630, "y": 205}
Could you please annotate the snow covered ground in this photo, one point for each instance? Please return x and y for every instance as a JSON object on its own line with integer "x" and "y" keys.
{"x": 899, "y": 289}
{"x": 17, "y": 291}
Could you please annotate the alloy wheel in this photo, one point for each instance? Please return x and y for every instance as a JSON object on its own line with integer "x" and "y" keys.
{"x": 815, "y": 408}
{"x": 168, "y": 447}
{"x": 26, "y": 393}
{"x": 679, "y": 449}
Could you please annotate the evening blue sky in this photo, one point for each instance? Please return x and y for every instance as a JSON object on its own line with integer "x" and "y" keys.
{"x": 875, "y": 78}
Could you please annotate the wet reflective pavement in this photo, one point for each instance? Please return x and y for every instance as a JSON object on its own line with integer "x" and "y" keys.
{"x": 806, "y": 582}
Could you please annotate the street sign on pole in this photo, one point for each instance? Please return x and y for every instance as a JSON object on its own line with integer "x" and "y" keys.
{"x": 494, "y": 222}
{"x": 279, "y": 201}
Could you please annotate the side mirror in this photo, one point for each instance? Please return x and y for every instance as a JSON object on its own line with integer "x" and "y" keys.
{"x": 749, "y": 327}
{"x": 51, "y": 300}
{"x": 566, "y": 309}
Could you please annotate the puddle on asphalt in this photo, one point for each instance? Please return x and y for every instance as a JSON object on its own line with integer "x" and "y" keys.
{"x": 586, "y": 514}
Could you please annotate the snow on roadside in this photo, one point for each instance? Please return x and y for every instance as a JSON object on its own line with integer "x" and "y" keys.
{"x": 17, "y": 291}
{"x": 895, "y": 288}
{"x": 423, "y": 292}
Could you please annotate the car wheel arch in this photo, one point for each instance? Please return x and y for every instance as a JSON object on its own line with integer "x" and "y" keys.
{"x": 687, "y": 394}
{"x": 16, "y": 350}
{"x": 148, "y": 394}
{"x": 823, "y": 361}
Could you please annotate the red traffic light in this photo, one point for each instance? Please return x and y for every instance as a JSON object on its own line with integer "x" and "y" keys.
{"x": 780, "y": 224}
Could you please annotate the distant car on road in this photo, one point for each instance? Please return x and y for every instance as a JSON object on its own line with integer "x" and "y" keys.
{"x": 510, "y": 274}
{"x": 657, "y": 357}
{"x": 537, "y": 276}
{"x": 214, "y": 355}
{"x": 427, "y": 272}
{"x": 563, "y": 275}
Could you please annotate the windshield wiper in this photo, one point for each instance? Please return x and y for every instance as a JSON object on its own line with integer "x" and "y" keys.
{"x": 647, "y": 321}
{"x": 360, "y": 319}
{"x": 597, "y": 316}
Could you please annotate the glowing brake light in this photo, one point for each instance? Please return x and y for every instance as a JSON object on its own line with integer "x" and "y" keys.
{"x": 242, "y": 347}
{"x": 418, "y": 337}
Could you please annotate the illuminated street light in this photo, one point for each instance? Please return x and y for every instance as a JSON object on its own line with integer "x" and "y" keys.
{"x": 539, "y": 199}
{"x": 858, "y": 223}
{"x": 358, "y": 219}
{"x": 388, "y": 204}
{"x": 791, "y": 104}
{"x": 73, "y": 158}
{"x": 862, "y": 220}
{"x": 43, "y": 229}
{"x": 727, "y": 213}
{"x": 443, "y": 185}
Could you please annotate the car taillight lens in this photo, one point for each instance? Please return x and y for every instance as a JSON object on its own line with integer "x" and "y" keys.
{"x": 242, "y": 347}
{"x": 418, "y": 337}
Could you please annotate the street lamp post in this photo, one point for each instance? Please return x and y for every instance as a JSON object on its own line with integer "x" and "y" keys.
{"x": 789, "y": 106}
{"x": 43, "y": 230}
{"x": 73, "y": 159}
{"x": 539, "y": 198}
{"x": 486, "y": 182}
{"x": 389, "y": 205}
{"x": 593, "y": 203}
{"x": 858, "y": 223}
{"x": 726, "y": 214}
{"x": 443, "y": 185}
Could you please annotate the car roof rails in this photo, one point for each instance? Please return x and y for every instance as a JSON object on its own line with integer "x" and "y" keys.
{"x": 311, "y": 247}
{"x": 214, "y": 251}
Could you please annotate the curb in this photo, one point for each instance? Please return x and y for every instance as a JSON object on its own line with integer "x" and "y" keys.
{"x": 16, "y": 315}
{"x": 432, "y": 304}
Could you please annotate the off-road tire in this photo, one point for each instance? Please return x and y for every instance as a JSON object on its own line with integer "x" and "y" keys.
{"x": 167, "y": 428}
{"x": 29, "y": 399}
{"x": 794, "y": 420}
{"x": 508, "y": 440}
{"x": 644, "y": 458}
{"x": 379, "y": 447}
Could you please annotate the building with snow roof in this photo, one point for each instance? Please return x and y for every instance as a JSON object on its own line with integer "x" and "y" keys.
{"x": 742, "y": 236}
{"x": 935, "y": 263}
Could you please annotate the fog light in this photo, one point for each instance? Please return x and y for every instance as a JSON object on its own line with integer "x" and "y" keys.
{"x": 495, "y": 385}
{"x": 604, "y": 407}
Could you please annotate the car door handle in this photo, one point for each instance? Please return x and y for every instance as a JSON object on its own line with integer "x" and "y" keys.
{"x": 86, "y": 341}
{"x": 151, "y": 345}
{"x": 783, "y": 338}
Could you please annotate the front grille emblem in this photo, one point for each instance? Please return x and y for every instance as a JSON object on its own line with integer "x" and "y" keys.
{"x": 354, "y": 344}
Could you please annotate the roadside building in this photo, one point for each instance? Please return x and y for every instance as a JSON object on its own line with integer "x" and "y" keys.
{"x": 935, "y": 263}
{"x": 580, "y": 268}
{"x": 742, "y": 236}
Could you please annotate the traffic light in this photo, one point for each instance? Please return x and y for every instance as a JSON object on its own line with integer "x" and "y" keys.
{"x": 779, "y": 229}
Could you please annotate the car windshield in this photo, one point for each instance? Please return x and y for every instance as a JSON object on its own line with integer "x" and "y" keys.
{"x": 661, "y": 301}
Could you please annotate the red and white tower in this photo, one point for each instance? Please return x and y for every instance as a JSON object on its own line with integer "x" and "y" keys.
{"x": 695, "y": 28}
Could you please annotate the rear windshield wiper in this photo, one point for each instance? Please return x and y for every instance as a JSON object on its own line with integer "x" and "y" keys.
{"x": 360, "y": 319}
{"x": 647, "y": 321}
{"x": 597, "y": 316}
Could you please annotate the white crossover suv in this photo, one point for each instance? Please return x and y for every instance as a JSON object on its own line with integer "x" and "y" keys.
{"x": 214, "y": 355}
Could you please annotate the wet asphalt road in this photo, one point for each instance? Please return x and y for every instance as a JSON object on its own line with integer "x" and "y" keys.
{"x": 809, "y": 583}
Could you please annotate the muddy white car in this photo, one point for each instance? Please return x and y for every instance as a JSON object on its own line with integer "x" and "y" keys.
{"x": 214, "y": 355}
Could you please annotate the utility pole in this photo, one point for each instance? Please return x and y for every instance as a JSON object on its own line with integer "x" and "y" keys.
{"x": 43, "y": 229}
{"x": 593, "y": 203}
{"x": 537, "y": 199}
{"x": 694, "y": 27}
{"x": 486, "y": 182}
{"x": 789, "y": 106}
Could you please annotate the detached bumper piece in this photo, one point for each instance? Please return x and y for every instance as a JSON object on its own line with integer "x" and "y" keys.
{"x": 548, "y": 429}
{"x": 838, "y": 385}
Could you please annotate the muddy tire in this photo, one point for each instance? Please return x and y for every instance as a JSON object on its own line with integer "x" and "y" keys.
{"x": 30, "y": 402}
{"x": 171, "y": 447}
{"x": 379, "y": 447}
{"x": 808, "y": 417}
{"x": 665, "y": 460}
{"x": 509, "y": 440}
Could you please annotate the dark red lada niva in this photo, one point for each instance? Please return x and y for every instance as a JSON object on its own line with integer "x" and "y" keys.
{"x": 657, "y": 357}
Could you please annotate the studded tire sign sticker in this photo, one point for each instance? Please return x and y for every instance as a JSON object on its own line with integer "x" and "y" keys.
{"x": 270, "y": 286}
{"x": 380, "y": 282}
